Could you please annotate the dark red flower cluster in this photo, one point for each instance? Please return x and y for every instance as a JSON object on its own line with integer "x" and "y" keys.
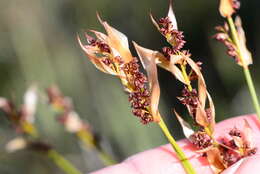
{"x": 167, "y": 52}
{"x": 230, "y": 157}
{"x": 232, "y": 152}
{"x": 107, "y": 61}
{"x": 176, "y": 37}
{"x": 201, "y": 140}
{"x": 235, "y": 132}
{"x": 139, "y": 97}
{"x": 223, "y": 37}
{"x": 101, "y": 45}
{"x": 190, "y": 100}
{"x": 166, "y": 25}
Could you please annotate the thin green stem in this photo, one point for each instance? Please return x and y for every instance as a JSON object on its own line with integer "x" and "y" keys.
{"x": 62, "y": 163}
{"x": 107, "y": 160}
{"x": 180, "y": 154}
{"x": 186, "y": 78}
{"x": 88, "y": 140}
{"x": 247, "y": 74}
{"x": 57, "y": 158}
{"x": 252, "y": 91}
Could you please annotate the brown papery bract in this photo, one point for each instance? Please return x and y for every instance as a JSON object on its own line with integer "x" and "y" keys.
{"x": 244, "y": 53}
{"x": 148, "y": 59}
{"x": 98, "y": 62}
{"x": 117, "y": 41}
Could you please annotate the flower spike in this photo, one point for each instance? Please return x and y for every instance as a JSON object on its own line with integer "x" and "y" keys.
{"x": 168, "y": 28}
{"x": 236, "y": 48}
{"x": 110, "y": 53}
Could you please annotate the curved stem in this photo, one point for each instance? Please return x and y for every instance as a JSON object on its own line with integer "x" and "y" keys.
{"x": 180, "y": 154}
{"x": 247, "y": 74}
{"x": 57, "y": 158}
{"x": 88, "y": 140}
{"x": 62, "y": 163}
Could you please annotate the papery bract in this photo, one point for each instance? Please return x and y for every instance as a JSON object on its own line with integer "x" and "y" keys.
{"x": 187, "y": 130}
{"x": 117, "y": 41}
{"x": 244, "y": 53}
{"x": 148, "y": 59}
{"x": 226, "y": 8}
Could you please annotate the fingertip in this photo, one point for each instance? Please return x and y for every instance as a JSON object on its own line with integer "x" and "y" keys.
{"x": 245, "y": 166}
{"x": 122, "y": 168}
{"x": 238, "y": 122}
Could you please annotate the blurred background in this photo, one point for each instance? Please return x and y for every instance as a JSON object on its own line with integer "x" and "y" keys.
{"x": 38, "y": 46}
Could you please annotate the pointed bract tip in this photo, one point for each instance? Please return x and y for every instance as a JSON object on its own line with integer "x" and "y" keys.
{"x": 226, "y": 8}
{"x": 99, "y": 18}
{"x": 187, "y": 130}
{"x": 154, "y": 22}
{"x": 144, "y": 54}
{"x": 81, "y": 45}
{"x": 172, "y": 17}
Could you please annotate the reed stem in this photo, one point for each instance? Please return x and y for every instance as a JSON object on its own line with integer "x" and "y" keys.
{"x": 62, "y": 163}
{"x": 88, "y": 140}
{"x": 180, "y": 154}
{"x": 247, "y": 74}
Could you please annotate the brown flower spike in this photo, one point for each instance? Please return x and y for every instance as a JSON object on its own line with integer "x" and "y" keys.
{"x": 242, "y": 56}
{"x": 168, "y": 28}
{"x": 110, "y": 53}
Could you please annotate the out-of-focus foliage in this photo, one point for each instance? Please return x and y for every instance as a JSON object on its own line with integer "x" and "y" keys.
{"x": 38, "y": 45}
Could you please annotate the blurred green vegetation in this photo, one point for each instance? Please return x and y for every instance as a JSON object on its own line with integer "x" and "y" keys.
{"x": 38, "y": 45}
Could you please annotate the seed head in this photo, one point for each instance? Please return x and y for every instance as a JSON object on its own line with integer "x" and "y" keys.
{"x": 139, "y": 96}
{"x": 190, "y": 100}
{"x": 201, "y": 140}
{"x": 174, "y": 36}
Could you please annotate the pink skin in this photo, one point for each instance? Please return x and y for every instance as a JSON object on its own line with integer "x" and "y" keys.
{"x": 162, "y": 160}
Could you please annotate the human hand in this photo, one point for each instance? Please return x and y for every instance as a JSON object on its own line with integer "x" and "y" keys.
{"x": 162, "y": 160}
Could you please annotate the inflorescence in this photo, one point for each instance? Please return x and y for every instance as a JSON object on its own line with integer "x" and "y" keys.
{"x": 176, "y": 60}
{"x": 134, "y": 81}
{"x": 139, "y": 96}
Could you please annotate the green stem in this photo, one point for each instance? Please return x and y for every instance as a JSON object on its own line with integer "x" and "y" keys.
{"x": 180, "y": 154}
{"x": 107, "y": 160}
{"x": 57, "y": 158}
{"x": 88, "y": 140}
{"x": 62, "y": 163}
{"x": 252, "y": 91}
{"x": 247, "y": 74}
{"x": 186, "y": 78}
